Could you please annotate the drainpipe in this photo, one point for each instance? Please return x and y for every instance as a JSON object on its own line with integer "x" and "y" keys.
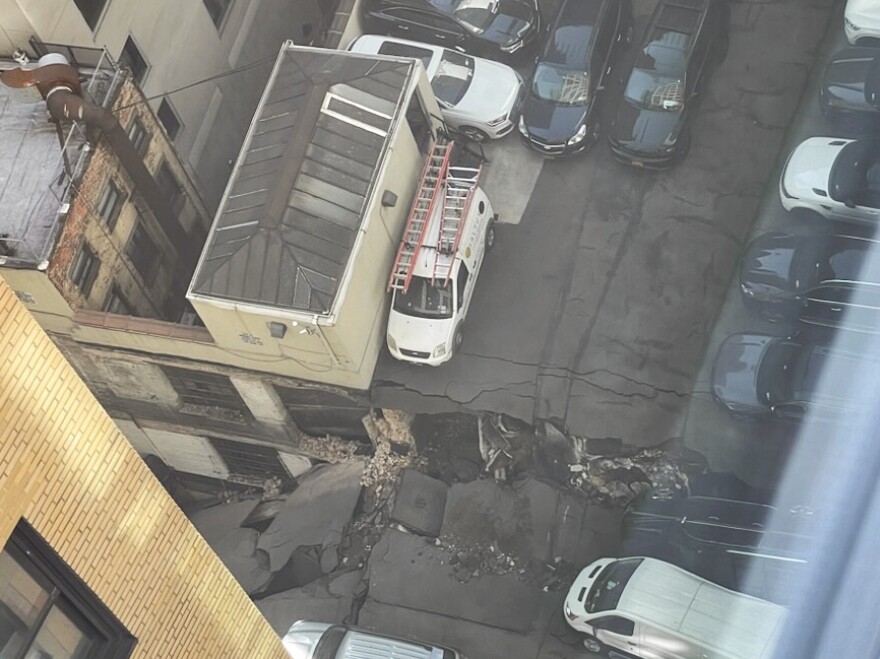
{"x": 58, "y": 83}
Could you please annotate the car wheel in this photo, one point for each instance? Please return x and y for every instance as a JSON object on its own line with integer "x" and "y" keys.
{"x": 684, "y": 145}
{"x": 458, "y": 338}
{"x": 592, "y": 644}
{"x": 473, "y": 133}
{"x": 490, "y": 234}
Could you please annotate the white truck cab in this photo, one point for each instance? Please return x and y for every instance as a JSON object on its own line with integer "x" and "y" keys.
{"x": 425, "y": 323}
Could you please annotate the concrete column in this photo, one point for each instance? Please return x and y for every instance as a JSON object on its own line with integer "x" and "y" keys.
{"x": 265, "y": 404}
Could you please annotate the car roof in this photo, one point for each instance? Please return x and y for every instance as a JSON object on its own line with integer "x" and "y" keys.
{"x": 372, "y": 44}
{"x": 574, "y": 31}
{"x": 670, "y": 34}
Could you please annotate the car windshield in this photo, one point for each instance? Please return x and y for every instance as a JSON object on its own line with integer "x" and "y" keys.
{"x": 609, "y": 585}
{"x": 424, "y": 300}
{"x": 475, "y": 15}
{"x": 453, "y": 77}
{"x": 807, "y": 264}
{"x": 560, "y": 85}
{"x": 655, "y": 91}
{"x": 775, "y": 379}
{"x": 406, "y": 50}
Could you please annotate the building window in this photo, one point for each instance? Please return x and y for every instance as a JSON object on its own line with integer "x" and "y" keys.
{"x": 143, "y": 252}
{"x": 138, "y": 135}
{"x": 169, "y": 186}
{"x": 218, "y": 10}
{"x": 205, "y": 389}
{"x": 168, "y": 119}
{"x": 110, "y": 204}
{"x": 116, "y": 303}
{"x": 91, "y": 10}
{"x": 84, "y": 269}
{"x": 132, "y": 58}
{"x": 250, "y": 459}
{"x": 47, "y": 611}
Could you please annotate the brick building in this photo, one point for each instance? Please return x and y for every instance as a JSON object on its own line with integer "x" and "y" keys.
{"x": 97, "y": 560}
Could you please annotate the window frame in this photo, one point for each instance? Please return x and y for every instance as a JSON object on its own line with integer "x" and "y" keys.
{"x": 83, "y": 276}
{"x": 165, "y": 102}
{"x": 44, "y": 565}
{"x": 144, "y": 144}
{"x": 138, "y": 79}
{"x": 220, "y": 22}
{"x": 114, "y": 292}
{"x": 99, "y": 15}
{"x": 112, "y": 217}
{"x": 148, "y": 276}
{"x": 177, "y": 195}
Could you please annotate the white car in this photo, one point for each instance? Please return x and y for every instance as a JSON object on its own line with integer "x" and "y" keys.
{"x": 478, "y": 97}
{"x": 835, "y": 177}
{"x": 425, "y": 323}
{"x": 317, "y": 640}
{"x": 861, "y": 20}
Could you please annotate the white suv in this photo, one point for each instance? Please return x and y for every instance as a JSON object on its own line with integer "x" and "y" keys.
{"x": 861, "y": 20}
{"x": 835, "y": 177}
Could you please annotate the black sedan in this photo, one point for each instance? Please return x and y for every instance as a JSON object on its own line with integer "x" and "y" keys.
{"x": 851, "y": 83}
{"x": 489, "y": 28}
{"x": 756, "y": 375}
{"x": 780, "y": 273}
{"x": 560, "y": 113}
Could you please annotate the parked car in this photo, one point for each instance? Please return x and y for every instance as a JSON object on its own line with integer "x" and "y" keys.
{"x": 489, "y": 28}
{"x": 479, "y": 98}
{"x": 318, "y": 640}
{"x": 426, "y": 322}
{"x": 851, "y": 84}
{"x": 561, "y": 113}
{"x": 782, "y": 273}
{"x": 755, "y": 375}
{"x": 642, "y": 607}
{"x": 861, "y": 20}
{"x": 725, "y": 541}
{"x": 836, "y": 178}
{"x": 682, "y": 43}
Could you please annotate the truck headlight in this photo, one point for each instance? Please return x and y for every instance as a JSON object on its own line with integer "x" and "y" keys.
{"x": 852, "y": 26}
{"x": 439, "y": 351}
{"x": 578, "y": 136}
{"x": 522, "y": 126}
{"x": 391, "y": 342}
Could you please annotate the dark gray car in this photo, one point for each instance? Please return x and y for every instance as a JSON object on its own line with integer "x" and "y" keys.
{"x": 755, "y": 375}
{"x": 851, "y": 83}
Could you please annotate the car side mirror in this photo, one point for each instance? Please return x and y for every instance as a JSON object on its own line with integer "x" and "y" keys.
{"x": 849, "y": 203}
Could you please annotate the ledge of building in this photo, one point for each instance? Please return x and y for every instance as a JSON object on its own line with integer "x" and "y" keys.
{"x": 137, "y": 325}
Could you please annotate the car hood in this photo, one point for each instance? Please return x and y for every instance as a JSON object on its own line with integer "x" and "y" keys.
{"x": 845, "y": 75}
{"x": 735, "y": 372}
{"x": 420, "y": 334}
{"x": 810, "y": 164}
{"x": 492, "y": 92}
{"x": 641, "y": 129}
{"x": 552, "y": 122}
{"x": 767, "y": 263}
{"x": 577, "y": 594}
{"x": 864, "y": 13}
{"x": 514, "y": 17}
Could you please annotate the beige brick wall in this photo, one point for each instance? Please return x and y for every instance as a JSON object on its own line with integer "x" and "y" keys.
{"x": 65, "y": 468}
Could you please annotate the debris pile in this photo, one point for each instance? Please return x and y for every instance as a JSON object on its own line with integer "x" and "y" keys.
{"x": 617, "y": 480}
{"x": 394, "y": 449}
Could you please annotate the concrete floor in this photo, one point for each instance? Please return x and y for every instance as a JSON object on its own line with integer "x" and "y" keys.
{"x": 596, "y": 306}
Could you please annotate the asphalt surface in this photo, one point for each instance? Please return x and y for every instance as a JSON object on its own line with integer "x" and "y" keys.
{"x": 596, "y": 306}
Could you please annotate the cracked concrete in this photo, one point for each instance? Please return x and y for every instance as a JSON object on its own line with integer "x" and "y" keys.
{"x": 596, "y": 309}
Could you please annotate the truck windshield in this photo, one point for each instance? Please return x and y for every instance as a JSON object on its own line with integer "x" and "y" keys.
{"x": 424, "y": 300}
{"x": 609, "y": 585}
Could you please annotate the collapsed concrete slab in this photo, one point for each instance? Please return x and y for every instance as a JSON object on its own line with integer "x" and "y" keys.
{"x": 316, "y": 513}
{"x": 411, "y": 571}
{"x": 313, "y": 602}
{"x": 420, "y": 503}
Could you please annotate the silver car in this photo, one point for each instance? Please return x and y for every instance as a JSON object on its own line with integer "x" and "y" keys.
{"x": 318, "y": 640}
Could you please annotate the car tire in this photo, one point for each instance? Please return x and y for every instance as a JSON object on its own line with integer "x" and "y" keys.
{"x": 490, "y": 234}
{"x": 473, "y": 133}
{"x": 684, "y": 147}
{"x": 594, "y": 645}
{"x": 457, "y": 338}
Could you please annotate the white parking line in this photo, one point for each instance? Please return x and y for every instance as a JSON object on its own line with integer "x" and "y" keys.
{"x": 510, "y": 177}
